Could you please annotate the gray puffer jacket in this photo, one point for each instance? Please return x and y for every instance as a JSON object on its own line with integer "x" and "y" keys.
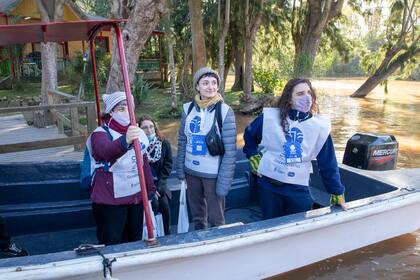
{"x": 227, "y": 162}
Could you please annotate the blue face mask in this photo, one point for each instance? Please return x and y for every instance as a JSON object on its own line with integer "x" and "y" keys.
{"x": 151, "y": 137}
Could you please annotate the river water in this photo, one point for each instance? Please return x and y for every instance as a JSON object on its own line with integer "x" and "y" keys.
{"x": 395, "y": 113}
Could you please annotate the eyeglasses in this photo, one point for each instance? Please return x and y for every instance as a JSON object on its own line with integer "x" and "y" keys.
{"x": 148, "y": 126}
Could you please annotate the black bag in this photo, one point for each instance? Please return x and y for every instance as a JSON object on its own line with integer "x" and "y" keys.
{"x": 214, "y": 140}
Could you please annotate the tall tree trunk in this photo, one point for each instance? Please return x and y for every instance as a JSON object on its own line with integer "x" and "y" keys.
{"x": 50, "y": 11}
{"x": 222, "y": 38}
{"x": 186, "y": 79}
{"x": 229, "y": 60}
{"x": 171, "y": 59}
{"x": 49, "y": 70}
{"x": 384, "y": 71}
{"x": 143, "y": 16}
{"x": 197, "y": 35}
{"x": 239, "y": 69}
{"x": 307, "y": 31}
{"x": 250, "y": 33}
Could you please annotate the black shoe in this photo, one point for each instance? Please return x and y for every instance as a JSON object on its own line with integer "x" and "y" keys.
{"x": 13, "y": 251}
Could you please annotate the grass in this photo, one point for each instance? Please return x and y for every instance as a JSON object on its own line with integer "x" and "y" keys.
{"x": 22, "y": 90}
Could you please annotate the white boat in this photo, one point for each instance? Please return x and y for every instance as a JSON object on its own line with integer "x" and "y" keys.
{"x": 382, "y": 205}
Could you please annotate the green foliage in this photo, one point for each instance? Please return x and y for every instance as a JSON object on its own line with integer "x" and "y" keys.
{"x": 95, "y": 7}
{"x": 268, "y": 80}
{"x": 273, "y": 52}
{"x": 103, "y": 61}
{"x": 141, "y": 90}
{"x": 391, "y": 36}
{"x": 371, "y": 61}
{"x": 303, "y": 64}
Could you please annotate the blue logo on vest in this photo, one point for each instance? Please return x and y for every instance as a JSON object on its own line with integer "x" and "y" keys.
{"x": 195, "y": 124}
{"x": 295, "y": 135}
{"x": 196, "y": 162}
{"x": 291, "y": 174}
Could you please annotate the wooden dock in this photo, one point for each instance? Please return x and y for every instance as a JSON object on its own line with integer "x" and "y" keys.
{"x": 14, "y": 129}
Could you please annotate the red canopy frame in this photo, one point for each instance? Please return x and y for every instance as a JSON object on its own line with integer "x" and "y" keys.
{"x": 85, "y": 31}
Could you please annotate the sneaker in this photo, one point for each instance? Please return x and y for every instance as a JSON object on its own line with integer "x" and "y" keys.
{"x": 13, "y": 251}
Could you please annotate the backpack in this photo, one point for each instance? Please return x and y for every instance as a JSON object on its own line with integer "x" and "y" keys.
{"x": 88, "y": 166}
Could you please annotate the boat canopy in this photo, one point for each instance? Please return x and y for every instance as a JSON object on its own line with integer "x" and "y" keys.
{"x": 53, "y": 31}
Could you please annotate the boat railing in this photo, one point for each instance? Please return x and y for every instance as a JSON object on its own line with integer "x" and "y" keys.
{"x": 64, "y": 111}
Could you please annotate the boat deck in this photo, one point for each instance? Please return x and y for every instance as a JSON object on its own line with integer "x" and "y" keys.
{"x": 14, "y": 129}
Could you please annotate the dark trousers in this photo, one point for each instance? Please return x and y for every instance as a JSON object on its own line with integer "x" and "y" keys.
{"x": 118, "y": 223}
{"x": 4, "y": 238}
{"x": 162, "y": 206}
{"x": 205, "y": 205}
{"x": 275, "y": 205}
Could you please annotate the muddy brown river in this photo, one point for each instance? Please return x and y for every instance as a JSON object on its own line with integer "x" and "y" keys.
{"x": 395, "y": 113}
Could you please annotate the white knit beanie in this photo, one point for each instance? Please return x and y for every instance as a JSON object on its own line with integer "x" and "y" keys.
{"x": 201, "y": 72}
{"x": 111, "y": 100}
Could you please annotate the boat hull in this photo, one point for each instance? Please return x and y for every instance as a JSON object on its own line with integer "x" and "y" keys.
{"x": 251, "y": 251}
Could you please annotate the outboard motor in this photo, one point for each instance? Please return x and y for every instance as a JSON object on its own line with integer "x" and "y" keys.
{"x": 371, "y": 151}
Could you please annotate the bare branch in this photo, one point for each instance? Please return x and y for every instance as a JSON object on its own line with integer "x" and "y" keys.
{"x": 42, "y": 11}
{"x": 59, "y": 10}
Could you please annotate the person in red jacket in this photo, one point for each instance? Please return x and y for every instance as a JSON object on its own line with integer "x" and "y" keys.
{"x": 116, "y": 191}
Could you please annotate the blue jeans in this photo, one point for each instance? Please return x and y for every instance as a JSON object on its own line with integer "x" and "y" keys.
{"x": 275, "y": 205}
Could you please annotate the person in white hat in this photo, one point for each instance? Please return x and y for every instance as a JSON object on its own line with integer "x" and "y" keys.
{"x": 116, "y": 191}
{"x": 208, "y": 174}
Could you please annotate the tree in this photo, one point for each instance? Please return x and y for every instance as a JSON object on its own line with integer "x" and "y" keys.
{"x": 252, "y": 23}
{"x": 309, "y": 20}
{"x": 223, "y": 27}
{"x": 197, "y": 35}
{"x": 169, "y": 41}
{"x": 143, "y": 16}
{"x": 95, "y": 7}
{"x": 401, "y": 44}
{"x": 50, "y": 11}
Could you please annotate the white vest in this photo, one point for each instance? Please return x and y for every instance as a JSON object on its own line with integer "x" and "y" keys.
{"x": 197, "y": 125}
{"x": 124, "y": 170}
{"x": 312, "y": 133}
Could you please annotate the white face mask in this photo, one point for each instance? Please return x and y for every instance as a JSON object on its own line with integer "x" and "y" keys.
{"x": 123, "y": 118}
{"x": 302, "y": 103}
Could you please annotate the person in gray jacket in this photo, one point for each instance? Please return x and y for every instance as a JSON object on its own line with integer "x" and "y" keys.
{"x": 208, "y": 177}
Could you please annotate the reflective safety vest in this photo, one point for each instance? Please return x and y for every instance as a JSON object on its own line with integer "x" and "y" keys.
{"x": 288, "y": 159}
{"x": 197, "y": 125}
{"x": 124, "y": 170}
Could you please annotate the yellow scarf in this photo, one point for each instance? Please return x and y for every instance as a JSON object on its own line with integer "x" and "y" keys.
{"x": 204, "y": 103}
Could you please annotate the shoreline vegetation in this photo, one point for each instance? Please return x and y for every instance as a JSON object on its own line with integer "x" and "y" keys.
{"x": 157, "y": 102}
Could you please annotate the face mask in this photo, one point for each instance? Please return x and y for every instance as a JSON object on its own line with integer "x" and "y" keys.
{"x": 121, "y": 117}
{"x": 151, "y": 137}
{"x": 302, "y": 103}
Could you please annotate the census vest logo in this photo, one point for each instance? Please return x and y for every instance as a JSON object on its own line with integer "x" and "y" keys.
{"x": 295, "y": 135}
{"x": 195, "y": 124}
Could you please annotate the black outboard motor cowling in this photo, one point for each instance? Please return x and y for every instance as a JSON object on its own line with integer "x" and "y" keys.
{"x": 371, "y": 151}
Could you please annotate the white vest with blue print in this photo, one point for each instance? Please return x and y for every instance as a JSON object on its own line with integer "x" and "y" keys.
{"x": 197, "y": 125}
{"x": 311, "y": 134}
{"x": 124, "y": 170}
